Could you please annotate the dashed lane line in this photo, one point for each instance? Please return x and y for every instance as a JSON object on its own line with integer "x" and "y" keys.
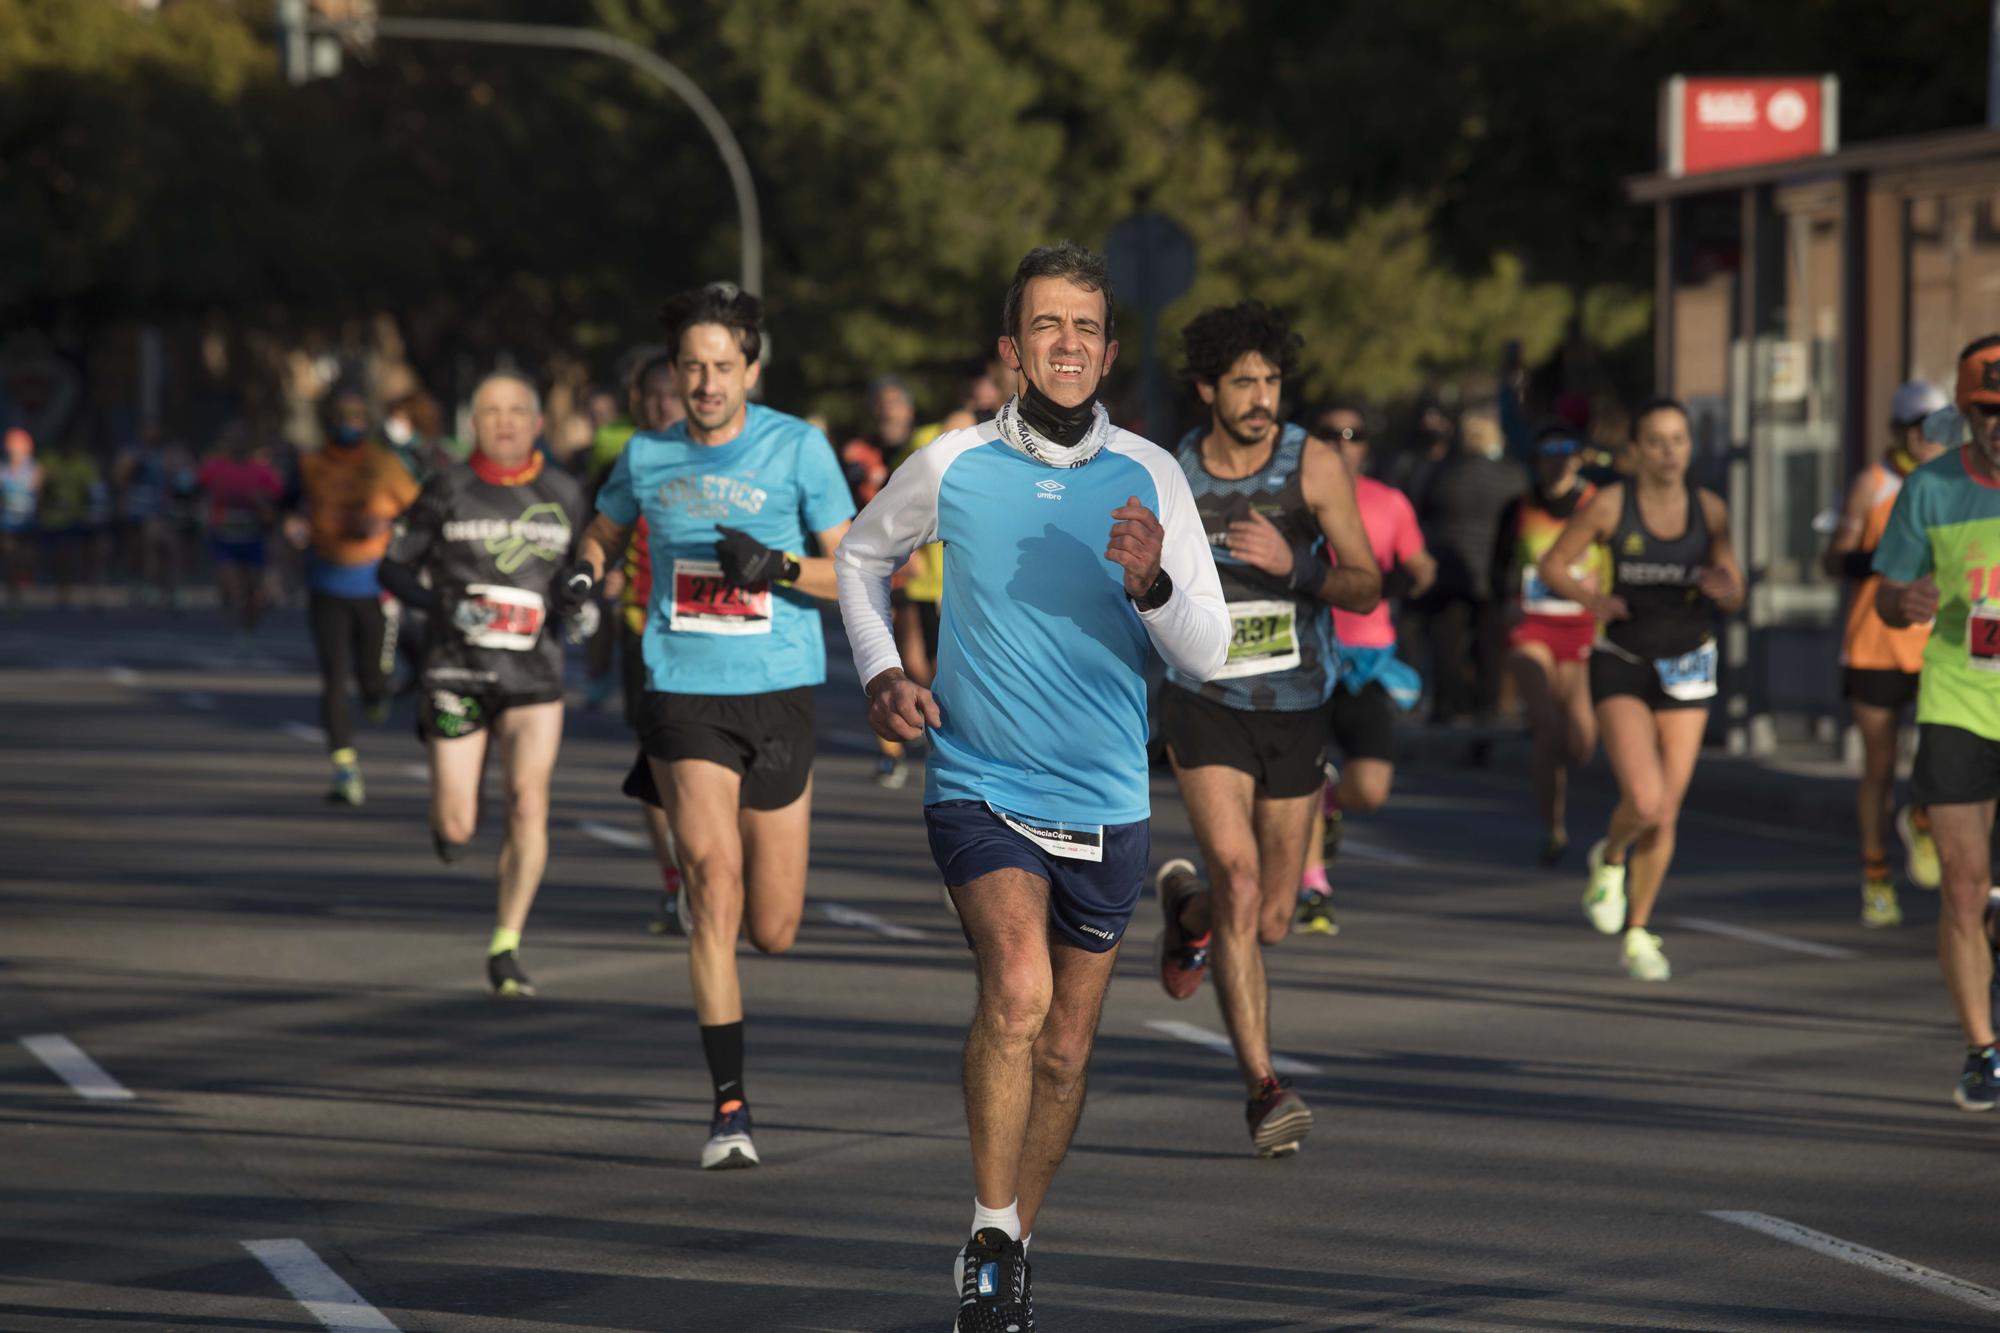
{"x": 323, "y": 1292}
{"x": 1215, "y": 1041}
{"x": 1875, "y": 1261}
{"x": 1750, "y": 935}
{"x": 68, "y": 1062}
{"x": 843, "y": 915}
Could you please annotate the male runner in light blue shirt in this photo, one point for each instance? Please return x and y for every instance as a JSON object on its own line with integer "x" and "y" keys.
{"x": 1072, "y": 552}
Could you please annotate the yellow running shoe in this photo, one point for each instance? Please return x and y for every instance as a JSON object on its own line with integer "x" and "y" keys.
{"x": 1643, "y": 959}
{"x": 1604, "y": 901}
{"x": 1879, "y": 908}
{"x": 1926, "y": 871}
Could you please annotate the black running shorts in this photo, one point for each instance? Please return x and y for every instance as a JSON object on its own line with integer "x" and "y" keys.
{"x": 767, "y": 738}
{"x": 450, "y": 714}
{"x": 1612, "y": 675}
{"x": 1880, "y": 688}
{"x": 1954, "y": 767}
{"x": 1364, "y": 724}
{"x": 1281, "y": 751}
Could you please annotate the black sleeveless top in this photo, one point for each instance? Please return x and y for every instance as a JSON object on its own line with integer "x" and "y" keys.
{"x": 1659, "y": 580}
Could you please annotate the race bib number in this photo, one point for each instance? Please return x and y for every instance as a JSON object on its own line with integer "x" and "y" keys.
{"x": 492, "y": 615}
{"x": 1262, "y": 638}
{"x": 1982, "y": 637}
{"x": 1072, "y": 842}
{"x": 703, "y": 604}
{"x": 1691, "y": 675}
{"x": 1539, "y": 599}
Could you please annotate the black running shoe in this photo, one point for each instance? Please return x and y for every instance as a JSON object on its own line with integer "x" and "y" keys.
{"x": 993, "y": 1286}
{"x": 504, "y": 974}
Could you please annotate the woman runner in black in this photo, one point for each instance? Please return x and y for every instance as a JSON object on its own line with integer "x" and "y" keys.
{"x": 1653, "y": 668}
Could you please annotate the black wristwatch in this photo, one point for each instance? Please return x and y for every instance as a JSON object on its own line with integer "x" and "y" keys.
{"x": 1156, "y": 596}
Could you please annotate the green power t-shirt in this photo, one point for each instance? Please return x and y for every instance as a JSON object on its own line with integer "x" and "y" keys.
{"x": 1947, "y": 523}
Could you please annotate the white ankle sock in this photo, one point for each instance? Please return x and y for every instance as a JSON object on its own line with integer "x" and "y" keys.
{"x": 1007, "y": 1219}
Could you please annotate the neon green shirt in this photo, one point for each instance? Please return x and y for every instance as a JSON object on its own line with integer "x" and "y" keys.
{"x": 1947, "y": 523}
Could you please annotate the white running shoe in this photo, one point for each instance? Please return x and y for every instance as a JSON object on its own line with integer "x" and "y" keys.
{"x": 1604, "y": 900}
{"x": 1643, "y": 959}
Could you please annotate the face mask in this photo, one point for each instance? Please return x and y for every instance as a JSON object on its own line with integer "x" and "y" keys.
{"x": 349, "y": 435}
{"x": 398, "y": 431}
{"x": 1065, "y": 425}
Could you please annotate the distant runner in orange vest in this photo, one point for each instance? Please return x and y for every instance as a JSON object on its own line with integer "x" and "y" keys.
{"x": 1880, "y": 664}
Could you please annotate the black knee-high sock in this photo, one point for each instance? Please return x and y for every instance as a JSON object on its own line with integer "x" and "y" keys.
{"x": 722, "y": 1047}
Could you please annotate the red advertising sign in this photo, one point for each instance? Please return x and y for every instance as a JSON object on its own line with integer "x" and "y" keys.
{"x": 1715, "y": 124}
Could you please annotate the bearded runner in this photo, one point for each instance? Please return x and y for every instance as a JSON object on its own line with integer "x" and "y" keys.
{"x": 1247, "y": 743}
{"x": 479, "y": 550}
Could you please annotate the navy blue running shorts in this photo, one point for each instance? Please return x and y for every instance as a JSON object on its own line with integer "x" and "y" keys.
{"x": 1090, "y": 902}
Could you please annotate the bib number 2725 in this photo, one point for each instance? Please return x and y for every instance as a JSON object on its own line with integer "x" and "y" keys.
{"x": 703, "y": 604}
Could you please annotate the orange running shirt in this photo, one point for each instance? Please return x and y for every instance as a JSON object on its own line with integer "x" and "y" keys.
{"x": 1869, "y": 644}
{"x": 352, "y": 495}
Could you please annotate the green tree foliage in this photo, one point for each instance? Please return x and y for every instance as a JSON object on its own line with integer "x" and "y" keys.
{"x": 1418, "y": 183}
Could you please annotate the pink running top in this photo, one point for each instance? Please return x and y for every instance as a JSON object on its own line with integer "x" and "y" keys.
{"x": 1394, "y": 537}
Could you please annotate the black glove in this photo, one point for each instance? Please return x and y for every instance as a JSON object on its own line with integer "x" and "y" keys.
{"x": 746, "y": 561}
{"x": 571, "y": 589}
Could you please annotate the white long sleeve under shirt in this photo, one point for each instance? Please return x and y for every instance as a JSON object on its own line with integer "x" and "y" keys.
{"x": 1040, "y": 674}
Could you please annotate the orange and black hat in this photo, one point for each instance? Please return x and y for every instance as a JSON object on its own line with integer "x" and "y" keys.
{"x": 1979, "y": 373}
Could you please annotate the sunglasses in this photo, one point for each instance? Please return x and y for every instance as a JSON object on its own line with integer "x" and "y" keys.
{"x": 1344, "y": 435}
{"x": 1987, "y": 410}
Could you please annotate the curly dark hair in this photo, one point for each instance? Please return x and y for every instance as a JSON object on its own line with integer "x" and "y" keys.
{"x": 721, "y": 303}
{"x": 1064, "y": 259}
{"x": 1214, "y": 340}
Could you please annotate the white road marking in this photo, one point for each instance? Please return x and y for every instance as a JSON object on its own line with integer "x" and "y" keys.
{"x": 300, "y": 731}
{"x": 1215, "y": 1041}
{"x": 1943, "y": 1284}
{"x": 125, "y": 676}
{"x": 323, "y": 1292}
{"x": 843, "y": 915}
{"x": 73, "y": 1067}
{"x": 617, "y": 837}
{"x": 201, "y": 703}
{"x": 1368, "y": 852}
{"x": 1808, "y": 947}
{"x": 417, "y": 771}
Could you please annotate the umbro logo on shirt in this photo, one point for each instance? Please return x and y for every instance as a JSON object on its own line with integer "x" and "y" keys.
{"x": 1050, "y": 490}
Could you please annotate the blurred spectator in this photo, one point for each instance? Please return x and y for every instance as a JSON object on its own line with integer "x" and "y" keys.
{"x": 243, "y": 493}
{"x": 20, "y": 497}
{"x": 73, "y": 504}
{"x": 892, "y": 418}
{"x": 1461, "y": 510}
{"x": 414, "y": 427}
{"x": 1416, "y": 465}
{"x": 147, "y": 540}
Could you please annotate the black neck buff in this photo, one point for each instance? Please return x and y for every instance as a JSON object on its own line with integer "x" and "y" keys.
{"x": 1051, "y": 420}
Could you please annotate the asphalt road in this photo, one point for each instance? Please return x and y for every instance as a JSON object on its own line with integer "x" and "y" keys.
{"x": 1511, "y": 1134}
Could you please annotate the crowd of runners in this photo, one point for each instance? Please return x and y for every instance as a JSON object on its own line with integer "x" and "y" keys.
{"x": 1010, "y": 579}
